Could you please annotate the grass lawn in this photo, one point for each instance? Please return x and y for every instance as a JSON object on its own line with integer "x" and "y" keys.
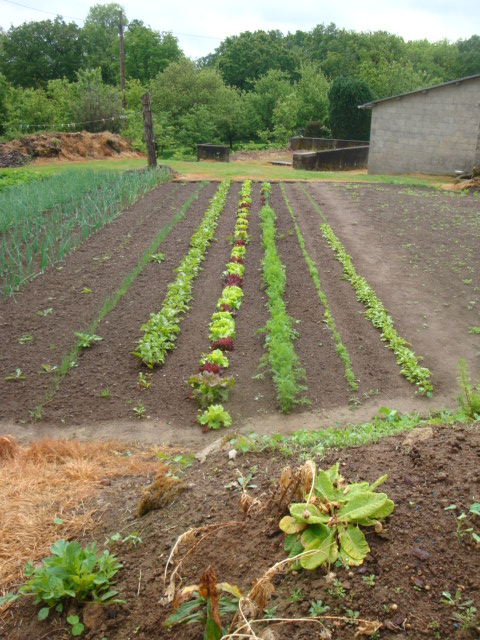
{"x": 240, "y": 170}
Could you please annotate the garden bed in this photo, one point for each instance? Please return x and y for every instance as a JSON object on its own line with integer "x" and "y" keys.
{"x": 419, "y": 555}
{"x": 430, "y": 303}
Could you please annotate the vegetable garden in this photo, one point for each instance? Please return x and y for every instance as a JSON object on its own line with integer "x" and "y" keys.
{"x": 206, "y": 309}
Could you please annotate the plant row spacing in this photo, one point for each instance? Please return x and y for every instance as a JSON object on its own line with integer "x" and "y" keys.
{"x": 161, "y": 330}
{"x": 209, "y": 387}
{"x": 280, "y": 356}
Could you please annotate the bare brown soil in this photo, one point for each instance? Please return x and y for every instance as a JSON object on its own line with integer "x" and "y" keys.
{"x": 400, "y": 585}
{"x": 418, "y": 248}
{"x": 65, "y": 146}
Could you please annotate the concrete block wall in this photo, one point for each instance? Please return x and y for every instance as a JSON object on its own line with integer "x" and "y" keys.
{"x": 434, "y": 132}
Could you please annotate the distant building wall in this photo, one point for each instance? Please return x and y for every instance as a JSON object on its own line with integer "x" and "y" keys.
{"x": 332, "y": 159}
{"x": 299, "y": 143}
{"x": 434, "y": 131}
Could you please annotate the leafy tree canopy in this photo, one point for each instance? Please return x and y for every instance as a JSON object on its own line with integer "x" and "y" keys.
{"x": 36, "y": 52}
{"x": 345, "y": 119}
{"x": 245, "y": 58}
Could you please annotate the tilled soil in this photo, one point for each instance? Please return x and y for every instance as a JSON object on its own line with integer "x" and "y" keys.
{"x": 102, "y": 389}
{"x": 411, "y": 563}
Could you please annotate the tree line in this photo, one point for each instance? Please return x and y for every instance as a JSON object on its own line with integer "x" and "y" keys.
{"x": 258, "y": 87}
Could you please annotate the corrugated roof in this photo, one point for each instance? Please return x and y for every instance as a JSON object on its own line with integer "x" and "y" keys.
{"x": 369, "y": 105}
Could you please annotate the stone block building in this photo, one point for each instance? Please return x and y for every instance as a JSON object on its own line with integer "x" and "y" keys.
{"x": 435, "y": 130}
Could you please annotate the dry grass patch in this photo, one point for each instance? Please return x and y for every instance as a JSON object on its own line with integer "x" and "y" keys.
{"x": 49, "y": 481}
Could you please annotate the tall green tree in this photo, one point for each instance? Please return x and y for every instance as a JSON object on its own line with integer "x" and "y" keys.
{"x": 243, "y": 59}
{"x": 345, "y": 119}
{"x": 36, "y": 52}
{"x": 101, "y": 33}
{"x": 97, "y": 105}
{"x": 469, "y": 57}
{"x": 5, "y": 90}
{"x": 312, "y": 93}
{"x": 268, "y": 90}
{"x": 182, "y": 86}
{"x": 147, "y": 52}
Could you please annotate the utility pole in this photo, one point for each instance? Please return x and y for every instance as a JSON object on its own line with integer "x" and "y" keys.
{"x": 148, "y": 130}
{"x": 122, "y": 59}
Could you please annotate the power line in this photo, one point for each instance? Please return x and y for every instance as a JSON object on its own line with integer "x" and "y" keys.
{"x": 175, "y": 33}
{"x": 41, "y": 10}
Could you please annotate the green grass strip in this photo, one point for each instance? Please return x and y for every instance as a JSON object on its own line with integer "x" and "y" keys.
{"x": 376, "y": 312}
{"x": 387, "y": 423}
{"x": 312, "y": 269}
{"x": 161, "y": 330}
{"x": 280, "y": 356}
{"x": 69, "y": 359}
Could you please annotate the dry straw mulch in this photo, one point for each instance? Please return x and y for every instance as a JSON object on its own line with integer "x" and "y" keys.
{"x": 51, "y": 479}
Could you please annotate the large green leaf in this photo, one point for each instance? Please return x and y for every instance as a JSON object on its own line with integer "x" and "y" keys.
{"x": 354, "y": 544}
{"x": 315, "y": 535}
{"x": 362, "y": 505}
{"x": 326, "y": 552}
{"x": 333, "y": 473}
{"x": 297, "y": 511}
{"x": 290, "y": 525}
{"x": 323, "y": 486}
{"x": 292, "y": 545}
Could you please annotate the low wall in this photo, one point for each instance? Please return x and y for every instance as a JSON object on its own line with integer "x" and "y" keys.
{"x": 299, "y": 143}
{"x": 332, "y": 160}
{"x": 217, "y": 152}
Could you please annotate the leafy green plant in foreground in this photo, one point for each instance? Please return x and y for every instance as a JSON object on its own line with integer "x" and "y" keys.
{"x": 326, "y": 527}
{"x": 215, "y": 417}
{"x": 202, "y": 604}
{"x": 208, "y": 388}
{"x": 70, "y": 572}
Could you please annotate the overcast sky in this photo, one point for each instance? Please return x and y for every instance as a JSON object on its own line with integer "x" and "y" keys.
{"x": 217, "y": 19}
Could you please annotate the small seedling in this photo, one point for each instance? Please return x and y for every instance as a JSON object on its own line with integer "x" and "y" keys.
{"x": 144, "y": 380}
{"x": 47, "y": 368}
{"x": 86, "y": 290}
{"x": 36, "y": 414}
{"x": 139, "y": 409}
{"x": 318, "y": 609}
{"x": 464, "y": 521}
{"x": 25, "y": 339}
{"x": 77, "y": 627}
{"x": 369, "y": 580}
{"x": 296, "y": 595}
{"x": 337, "y": 591}
{"x": 157, "y": 257}
{"x": 474, "y": 330}
{"x": 45, "y": 312}
{"x": 18, "y": 375}
{"x": 84, "y": 340}
{"x": 105, "y": 393}
{"x": 268, "y": 614}
{"x": 133, "y": 539}
{"x": 352, "y": 615}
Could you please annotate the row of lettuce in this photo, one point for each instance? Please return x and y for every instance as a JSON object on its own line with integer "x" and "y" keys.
{"x": 210, "y": 386}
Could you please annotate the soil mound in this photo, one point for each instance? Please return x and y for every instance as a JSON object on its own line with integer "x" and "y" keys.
{"x": 65, "y": 146}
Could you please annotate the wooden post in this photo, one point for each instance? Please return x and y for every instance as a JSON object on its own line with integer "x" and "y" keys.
{"x": 148, "y": 130}
{"x": 122, "y": 60}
